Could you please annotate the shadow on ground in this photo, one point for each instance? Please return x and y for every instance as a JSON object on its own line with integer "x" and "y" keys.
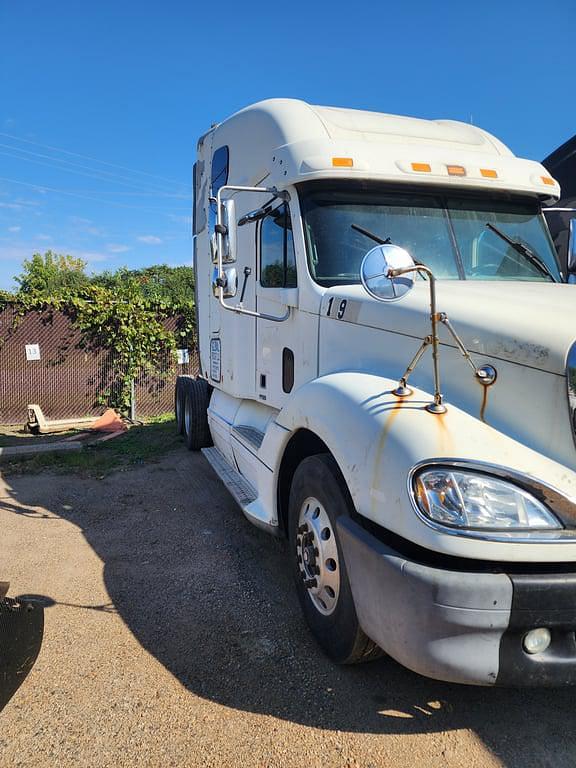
{"x": 211, "y": 598}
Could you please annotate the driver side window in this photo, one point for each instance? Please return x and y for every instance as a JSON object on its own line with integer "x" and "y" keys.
{"x": 277, "y": 256}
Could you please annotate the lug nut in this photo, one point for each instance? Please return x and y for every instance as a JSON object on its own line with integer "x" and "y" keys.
{"x": 303, "y": 528}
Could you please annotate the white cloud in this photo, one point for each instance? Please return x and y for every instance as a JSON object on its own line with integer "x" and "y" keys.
{"x": 149, "y": 239}
{"x": 92, "y": 257}
{"x": 43, "y": 237}
{"x": 16, "y": 253}
{"x": 117, "y": 248}
{"x": 14, "y": 229}
{"x": 18, "y": 203}
{"x": 27, "y": 201}
{"x": 86, "y": 226}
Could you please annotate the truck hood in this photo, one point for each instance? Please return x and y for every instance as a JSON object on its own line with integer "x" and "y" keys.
{"x": 528, "y": 323}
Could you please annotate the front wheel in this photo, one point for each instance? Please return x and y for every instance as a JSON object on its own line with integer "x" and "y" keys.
{"x": 318, "y": 497}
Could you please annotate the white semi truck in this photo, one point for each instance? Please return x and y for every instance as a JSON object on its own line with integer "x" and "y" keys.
{"x": 388, "y": 379}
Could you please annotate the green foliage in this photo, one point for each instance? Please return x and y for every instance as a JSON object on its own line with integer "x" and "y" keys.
{"x": 52, "y": 274}
{"x": 124, "y": 312}
{"x": 5, "y": 299}
{"x": 160, "y": 282}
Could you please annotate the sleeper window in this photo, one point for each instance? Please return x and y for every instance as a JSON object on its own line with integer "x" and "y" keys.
{"x": 219, "y": 176}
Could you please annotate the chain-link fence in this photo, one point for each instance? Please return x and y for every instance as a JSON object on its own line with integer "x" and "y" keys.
{"x": 43, "y": 361}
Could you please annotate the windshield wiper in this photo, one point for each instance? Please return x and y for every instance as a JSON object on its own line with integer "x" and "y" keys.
{"x": 524, "y": 251}
{"x": 371, "y": 235}
{"x": 382, "y": 241}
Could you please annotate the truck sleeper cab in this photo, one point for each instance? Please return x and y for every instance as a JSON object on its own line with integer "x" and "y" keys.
{"x": 386, "y": 353}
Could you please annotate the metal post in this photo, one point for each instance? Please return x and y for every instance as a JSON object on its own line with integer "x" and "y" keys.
{"x": 436, "y": 406}
{"x": 132, "y": 400}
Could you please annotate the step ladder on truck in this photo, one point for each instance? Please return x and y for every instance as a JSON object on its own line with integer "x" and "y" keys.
{"x": 388, "y": 379}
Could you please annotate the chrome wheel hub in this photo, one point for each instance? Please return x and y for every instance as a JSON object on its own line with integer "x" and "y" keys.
{"x": 317, "y": 555}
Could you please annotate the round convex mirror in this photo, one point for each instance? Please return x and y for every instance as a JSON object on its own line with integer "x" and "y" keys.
{"x": 375, "y": 268}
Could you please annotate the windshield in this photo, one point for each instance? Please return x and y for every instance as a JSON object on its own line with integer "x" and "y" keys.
{"x": 446, "y": 232}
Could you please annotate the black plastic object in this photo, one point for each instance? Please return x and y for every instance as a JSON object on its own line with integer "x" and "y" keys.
{"x": 21, "y": 632}
{"x": 287, "y": 369}
{"x": 543, "y": 600}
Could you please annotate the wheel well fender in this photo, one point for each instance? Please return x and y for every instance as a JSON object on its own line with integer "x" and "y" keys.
{"x": 302, "y": 443}
{"x": 376, "y": 439}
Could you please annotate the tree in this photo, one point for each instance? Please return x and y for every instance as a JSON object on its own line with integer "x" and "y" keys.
{"x": 52, "y": 274}
{"x": 160, "y": 283}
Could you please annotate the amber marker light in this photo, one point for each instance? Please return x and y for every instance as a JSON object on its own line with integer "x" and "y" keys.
{"x": 548, "y": 180}
{"x": 421, "y": 167}
{"x": 342, "y": 162}
{"x": 456, "y": 170}
{"x": 488, "y": 173}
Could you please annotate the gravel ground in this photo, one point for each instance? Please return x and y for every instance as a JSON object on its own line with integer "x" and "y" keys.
{"x": 173, "y": 638}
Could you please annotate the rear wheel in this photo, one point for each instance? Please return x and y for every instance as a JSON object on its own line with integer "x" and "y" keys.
{"x": 318, "y": 497}
{"x": 179, "y": 399}
{"x": 196, "y": 401}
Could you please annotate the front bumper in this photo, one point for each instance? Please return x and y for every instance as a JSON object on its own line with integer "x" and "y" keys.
{"x": 461, "y": 626}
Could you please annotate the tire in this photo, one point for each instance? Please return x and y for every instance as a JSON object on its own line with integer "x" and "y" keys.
{"x": 179, "y": 396}
{"x": 196, "y": 401}
{"x": 318, "y": 497}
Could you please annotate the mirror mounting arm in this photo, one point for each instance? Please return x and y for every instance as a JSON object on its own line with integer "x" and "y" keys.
{"x": 486, "y": 375}
{"x": 437, "y": 406}
{"x": 221, "y": 230}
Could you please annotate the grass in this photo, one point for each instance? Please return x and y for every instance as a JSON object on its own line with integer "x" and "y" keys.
{"x": 140, "y": 444}
{"x": 17, "y": 436}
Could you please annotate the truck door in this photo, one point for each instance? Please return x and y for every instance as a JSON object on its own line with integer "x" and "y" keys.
{"x": 285, "y": 351}
{"x": 232, "y": 335}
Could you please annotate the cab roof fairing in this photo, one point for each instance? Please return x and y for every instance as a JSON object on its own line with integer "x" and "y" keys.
{"x": 307, "y": 160}
{"x": 297, "y": 141}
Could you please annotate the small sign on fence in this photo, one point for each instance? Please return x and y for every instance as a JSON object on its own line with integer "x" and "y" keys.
{"x": 183, "y": 356}
{"x": 32, "y": 351}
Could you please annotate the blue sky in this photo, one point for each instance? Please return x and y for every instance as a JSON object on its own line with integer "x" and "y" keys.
{"x": 134, "y": 83}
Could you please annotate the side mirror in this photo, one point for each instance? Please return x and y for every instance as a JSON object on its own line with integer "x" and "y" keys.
{"x": 376, "y": 266}
{"x": 572, "y": 248}
{"x": 229, "y": 238}
{"x": 229, "y": 282}
{"x": 21, "y": 632}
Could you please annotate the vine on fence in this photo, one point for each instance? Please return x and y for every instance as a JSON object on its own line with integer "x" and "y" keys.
{"x": 129, "y": 324}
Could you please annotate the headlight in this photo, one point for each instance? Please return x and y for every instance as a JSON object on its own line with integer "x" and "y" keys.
{"x": 465, "y": 499}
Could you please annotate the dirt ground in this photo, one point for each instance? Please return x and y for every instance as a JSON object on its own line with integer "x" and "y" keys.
{"x": 173, "y": 638}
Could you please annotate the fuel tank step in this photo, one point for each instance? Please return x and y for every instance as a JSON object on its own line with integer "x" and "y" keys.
{"x": 240, "y": 488}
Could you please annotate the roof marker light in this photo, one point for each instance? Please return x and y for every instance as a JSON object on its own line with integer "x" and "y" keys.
{"x": 421, "y": 167}
{"x": 548, "y": 180}
{"x": 342, "y": 162}
{"x": 456, "y": 170}
{"x": 488, "y": 173}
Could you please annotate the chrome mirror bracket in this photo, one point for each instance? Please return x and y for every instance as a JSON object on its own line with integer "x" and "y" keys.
{"x": 485, "y": 374}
